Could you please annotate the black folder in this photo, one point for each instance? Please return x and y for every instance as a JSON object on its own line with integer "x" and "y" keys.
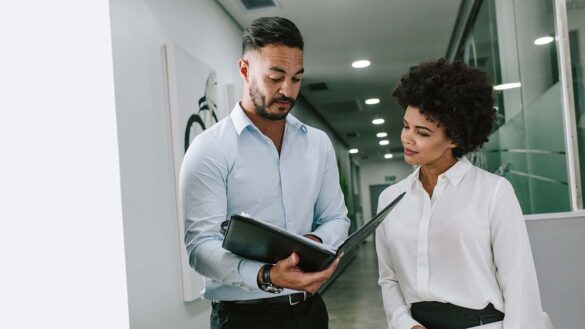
{"x": 254, "y": 239}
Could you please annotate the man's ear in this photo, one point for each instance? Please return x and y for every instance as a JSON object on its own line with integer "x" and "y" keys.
{"x": 244, "y": 67}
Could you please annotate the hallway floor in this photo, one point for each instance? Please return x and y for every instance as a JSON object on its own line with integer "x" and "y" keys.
{"x": 353, "y": 299}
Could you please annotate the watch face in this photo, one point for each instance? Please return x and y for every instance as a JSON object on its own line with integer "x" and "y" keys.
{"x": 271, "y": 289}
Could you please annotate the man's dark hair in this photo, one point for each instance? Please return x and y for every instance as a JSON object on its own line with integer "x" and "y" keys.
{"x": 457, "y": 96}
{"x": 266, "y": 31}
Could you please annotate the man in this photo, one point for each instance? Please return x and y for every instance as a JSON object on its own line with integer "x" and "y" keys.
{"x": 263, "y": 161}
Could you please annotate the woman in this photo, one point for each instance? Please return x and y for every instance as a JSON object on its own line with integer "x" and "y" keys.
{"x": 454, "y": 253}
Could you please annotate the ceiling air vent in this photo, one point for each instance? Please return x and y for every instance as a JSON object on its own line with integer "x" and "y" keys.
{"x": 353, "y": 134}
{"x": 258, "y": 4}
{"x": 341, "y": 108}
{"x": 319, "y": 86}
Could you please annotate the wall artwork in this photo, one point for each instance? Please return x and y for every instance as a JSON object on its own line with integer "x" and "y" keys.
{"x": 195, "y": 102}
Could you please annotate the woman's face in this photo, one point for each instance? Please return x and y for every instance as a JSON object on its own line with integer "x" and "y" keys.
{"x": 424, "y": 141}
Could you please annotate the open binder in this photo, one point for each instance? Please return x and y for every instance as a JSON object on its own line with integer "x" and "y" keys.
{"x": 254, "y": 239}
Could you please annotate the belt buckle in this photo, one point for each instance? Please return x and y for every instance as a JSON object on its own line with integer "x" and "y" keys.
{"x": 290, "y": 298}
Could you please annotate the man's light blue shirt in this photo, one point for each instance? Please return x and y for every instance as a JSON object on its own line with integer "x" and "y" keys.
{"x": 233, "y": 168}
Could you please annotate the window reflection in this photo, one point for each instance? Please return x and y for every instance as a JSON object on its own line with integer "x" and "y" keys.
{"x": 511, "y": 41}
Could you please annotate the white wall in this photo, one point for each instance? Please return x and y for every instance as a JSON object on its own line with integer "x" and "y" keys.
{"x": 61, "y": 233}
{"x": 139, "y": 29}
{"x": 373, "y": 172}
{"x": 557, "y": 246}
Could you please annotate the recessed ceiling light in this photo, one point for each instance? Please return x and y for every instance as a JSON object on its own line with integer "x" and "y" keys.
{"x": 372, "y": 101}
{"x": 506, "y": 86}
{"x": 353, "y": 151}
{"x": 381, "y": 135}
{"x": 543, "y": 41}
{"x": 384, "y": 142}
{"x": 378, "y": 121}
{"x": 388, "y": 156}
{"x": 361, "y": 63}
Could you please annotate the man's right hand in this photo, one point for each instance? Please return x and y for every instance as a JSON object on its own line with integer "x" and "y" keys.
{"x": 286, "y": 274}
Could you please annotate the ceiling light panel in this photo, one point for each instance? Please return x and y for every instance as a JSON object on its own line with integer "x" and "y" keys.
{"x": 543, "y": 41}
{"x": 372, "y": 101}
{"x": 506, "y": 86}
{"x": 361, "y": 64}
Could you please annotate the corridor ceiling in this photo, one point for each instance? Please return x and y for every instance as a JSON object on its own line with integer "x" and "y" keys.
{"x": 392, "y": 34}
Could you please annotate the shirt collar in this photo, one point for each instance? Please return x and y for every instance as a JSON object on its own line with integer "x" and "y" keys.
{"x": 413, "y": 178}
{"x": 454, "y": 174}
{"x": 241, "y": 120}
{"x": 295, "y": 123}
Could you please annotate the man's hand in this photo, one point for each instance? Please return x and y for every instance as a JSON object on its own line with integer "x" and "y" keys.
{"x": 418, "y": 327}
{"x": 313, "y": 237}
{"x": 286, "y": 274}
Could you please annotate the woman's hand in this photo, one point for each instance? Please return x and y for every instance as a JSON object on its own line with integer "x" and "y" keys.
{"x": 418, "y": 327}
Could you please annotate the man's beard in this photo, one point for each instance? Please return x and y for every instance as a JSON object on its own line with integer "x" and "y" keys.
{"x": 259, "y": 102}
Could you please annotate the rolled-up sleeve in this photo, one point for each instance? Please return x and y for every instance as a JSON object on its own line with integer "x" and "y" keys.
{"x": 203, "y": 195}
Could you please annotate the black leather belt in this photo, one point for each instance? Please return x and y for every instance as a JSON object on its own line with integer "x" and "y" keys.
{"x": 291, "y": 299}
{"x": 436, "y": 315}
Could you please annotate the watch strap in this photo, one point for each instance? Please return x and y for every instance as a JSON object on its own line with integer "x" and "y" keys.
{"x": 266, "y": 282}
{"x": 266, "y": 273}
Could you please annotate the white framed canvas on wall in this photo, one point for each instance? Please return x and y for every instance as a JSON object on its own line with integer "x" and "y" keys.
{"x": 195, "y": 102}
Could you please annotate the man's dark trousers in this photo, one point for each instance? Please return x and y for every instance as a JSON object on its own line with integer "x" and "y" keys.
{"x": 310, "y": 314}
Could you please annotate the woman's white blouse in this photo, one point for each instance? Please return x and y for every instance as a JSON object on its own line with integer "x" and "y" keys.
{"x": 467, "y": 245}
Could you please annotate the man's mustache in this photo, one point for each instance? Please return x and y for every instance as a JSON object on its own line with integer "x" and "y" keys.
{"x": 282, "y": 100}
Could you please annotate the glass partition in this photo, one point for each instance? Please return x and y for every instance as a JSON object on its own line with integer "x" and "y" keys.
{"x": 576, "y": 26}
{"x": 514, "y": 42}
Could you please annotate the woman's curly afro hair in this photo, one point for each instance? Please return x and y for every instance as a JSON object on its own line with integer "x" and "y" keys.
{"x": 455, "y": 95}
